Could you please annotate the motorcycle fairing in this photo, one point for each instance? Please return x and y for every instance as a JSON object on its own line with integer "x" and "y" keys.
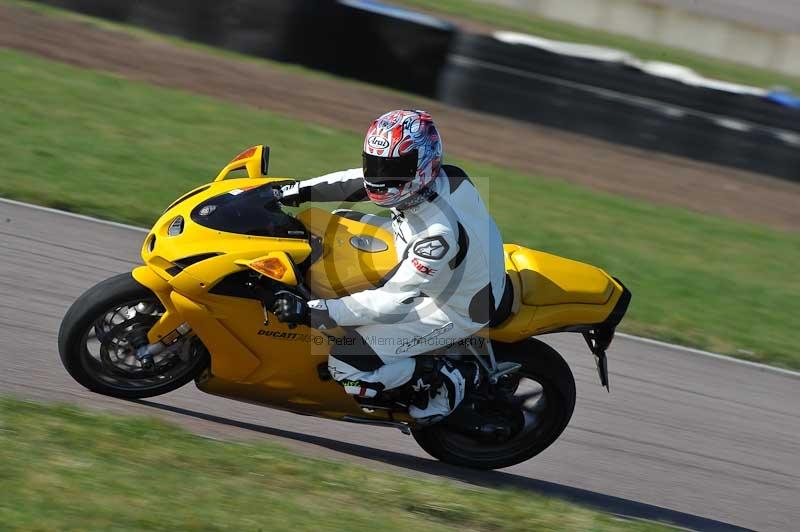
{"x": 271, "y": 364}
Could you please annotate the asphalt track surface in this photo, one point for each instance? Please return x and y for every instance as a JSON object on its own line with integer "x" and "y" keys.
{"x": 704, "y": 443}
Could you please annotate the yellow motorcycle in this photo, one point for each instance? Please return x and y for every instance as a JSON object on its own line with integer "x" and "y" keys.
{"x": 198, "y": 309}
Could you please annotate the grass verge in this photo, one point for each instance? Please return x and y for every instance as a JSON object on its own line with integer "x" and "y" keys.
{"x": 105, "y": 146}
{"x": 64, "y": 469}
{"x": 517, "y": 20}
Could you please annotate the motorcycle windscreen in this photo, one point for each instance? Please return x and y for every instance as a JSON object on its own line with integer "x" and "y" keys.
{"x": 248, "y": 211}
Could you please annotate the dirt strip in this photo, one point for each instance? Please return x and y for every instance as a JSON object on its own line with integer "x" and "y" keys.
{"x": 536, "y": 150}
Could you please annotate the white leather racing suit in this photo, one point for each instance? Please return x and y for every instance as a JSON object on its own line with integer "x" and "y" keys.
{"x": 449, "y": 280}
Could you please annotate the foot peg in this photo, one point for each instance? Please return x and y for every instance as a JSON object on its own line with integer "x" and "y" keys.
{"x": 504, "y": 368}
{"x": 324, "y": 373}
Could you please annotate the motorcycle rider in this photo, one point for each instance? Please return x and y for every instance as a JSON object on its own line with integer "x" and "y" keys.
{"x": 447, "y": 286}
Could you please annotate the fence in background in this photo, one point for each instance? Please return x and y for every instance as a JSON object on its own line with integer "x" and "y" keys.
{"x": 761, "y": 33}
{"x": 354, "y": 38}
{"x": 417, "y": 53}
{"x": 615, "y": 102}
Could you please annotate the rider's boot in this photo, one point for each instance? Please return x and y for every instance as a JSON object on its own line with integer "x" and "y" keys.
{"x": 439, "y": 385}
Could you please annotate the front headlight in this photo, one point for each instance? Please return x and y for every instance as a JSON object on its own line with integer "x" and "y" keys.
{"x": 176, "y": 227}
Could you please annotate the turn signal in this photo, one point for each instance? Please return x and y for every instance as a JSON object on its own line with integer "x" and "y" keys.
{"x": 272, "y": 268}
{"x": 246, "y": 154}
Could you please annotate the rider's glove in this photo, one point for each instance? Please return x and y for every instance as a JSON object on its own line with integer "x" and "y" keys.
{"x": 293, "y": 309}
{"x": 290, "y": 308}
{"x": 292, "y": 195}
{"x": 277, "y": 193}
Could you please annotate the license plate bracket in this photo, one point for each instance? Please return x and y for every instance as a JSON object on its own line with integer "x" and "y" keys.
{"x": 598, "y": 341}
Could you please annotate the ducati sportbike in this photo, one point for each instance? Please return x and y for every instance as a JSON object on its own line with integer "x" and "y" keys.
{"x": 198, "y": 309}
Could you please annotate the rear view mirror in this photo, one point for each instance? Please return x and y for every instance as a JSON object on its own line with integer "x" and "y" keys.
{"x": 254, "y": 160}
{"x": 265, "y": 160}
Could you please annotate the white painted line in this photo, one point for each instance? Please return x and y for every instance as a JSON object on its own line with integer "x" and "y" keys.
{"x": 73, "y": 215}
{"x": 789, "y": 138}
{"x": 755, "y": 365}
{"x": 736, "y": 125}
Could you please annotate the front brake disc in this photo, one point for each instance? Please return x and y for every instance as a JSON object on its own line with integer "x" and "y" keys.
{"x": 116, "y": 340}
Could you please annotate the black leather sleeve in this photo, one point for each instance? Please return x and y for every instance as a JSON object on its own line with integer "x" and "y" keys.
{"x": 347, "y": 186}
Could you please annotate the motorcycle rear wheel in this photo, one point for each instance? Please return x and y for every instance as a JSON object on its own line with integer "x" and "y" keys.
{"x": 542, "y": 365}
{"x": 94, "y": 348}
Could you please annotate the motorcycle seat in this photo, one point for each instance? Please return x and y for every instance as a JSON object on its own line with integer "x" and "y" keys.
{"x": 550, "y": 280}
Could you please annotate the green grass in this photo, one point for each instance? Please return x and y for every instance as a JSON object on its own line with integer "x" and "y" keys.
{"x": 517, "y": 20}
{"x": 105, "y": 146}
{"x": 64, "y": 469}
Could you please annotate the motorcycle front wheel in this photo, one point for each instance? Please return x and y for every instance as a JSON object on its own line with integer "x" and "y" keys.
{"x": 544, "y": 392}
{"x": 94, "y": 342}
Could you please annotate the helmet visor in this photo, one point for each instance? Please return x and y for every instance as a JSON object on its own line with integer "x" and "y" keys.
{"x": 390, "y": 171}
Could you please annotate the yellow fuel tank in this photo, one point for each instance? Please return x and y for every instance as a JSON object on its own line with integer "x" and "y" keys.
{"x": 354, "y": 255}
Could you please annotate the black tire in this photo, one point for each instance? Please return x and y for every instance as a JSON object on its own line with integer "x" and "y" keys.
{"x": 81, "y": 318}
{"x": 541, "y": 363}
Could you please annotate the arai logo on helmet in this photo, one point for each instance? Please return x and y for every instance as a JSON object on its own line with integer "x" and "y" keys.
{"x": 379, "y": 143}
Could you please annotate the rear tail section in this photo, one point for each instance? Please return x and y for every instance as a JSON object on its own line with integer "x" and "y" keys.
{"x": 553, "y": 294}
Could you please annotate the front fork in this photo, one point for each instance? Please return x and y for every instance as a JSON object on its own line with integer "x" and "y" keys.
{"x": 170, "y": 327}
{"x": 146, "y": 352}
